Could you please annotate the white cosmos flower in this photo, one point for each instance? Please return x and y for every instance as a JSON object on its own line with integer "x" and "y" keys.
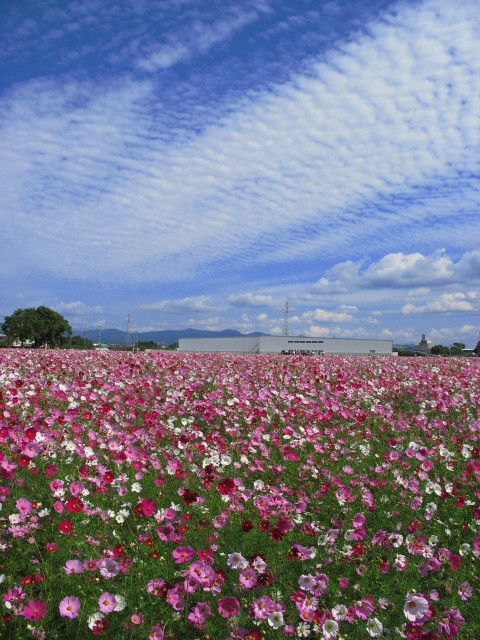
{"x": 275, "y": 619}
{"x": 339, "y": 612}
{"x": 237, "y": 561}
{"x": 374, "y": 627}
{"x": 330, "y": 627}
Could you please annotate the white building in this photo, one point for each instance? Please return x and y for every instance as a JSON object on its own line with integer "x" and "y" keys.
{"x": 287, "y": 344}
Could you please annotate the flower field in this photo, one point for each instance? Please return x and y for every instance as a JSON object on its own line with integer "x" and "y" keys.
{"x": 189, "y": 496}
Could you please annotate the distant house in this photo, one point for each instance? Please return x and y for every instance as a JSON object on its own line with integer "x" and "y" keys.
{"x": 101, "y": 346}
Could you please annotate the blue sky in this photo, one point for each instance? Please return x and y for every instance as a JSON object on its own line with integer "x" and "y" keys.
{"x": 197, "y": 164}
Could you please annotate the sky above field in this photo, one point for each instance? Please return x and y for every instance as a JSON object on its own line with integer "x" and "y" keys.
{"x": 197, "y": 164}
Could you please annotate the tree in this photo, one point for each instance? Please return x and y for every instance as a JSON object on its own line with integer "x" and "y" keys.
{"x": 477, "y": 349}
{"x": 79, "y": 342}
{"x": 440, "y": 350}
{"x": 457, "y": 348}
{"x": 42, "y": 325}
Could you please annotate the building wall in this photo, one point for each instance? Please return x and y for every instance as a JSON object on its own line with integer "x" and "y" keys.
{"x": 246, "y": 344}
{"x": 277, "y": 344}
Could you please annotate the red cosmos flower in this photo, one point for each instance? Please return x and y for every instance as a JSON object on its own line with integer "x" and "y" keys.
{"x": 100, "y": 626}
{"x": 189, "y": 497}
{"x": 148, "y": 506}
{"x": 247, "y": 525}
{"x": 50, "y": 469}
{"x": 226, "y": 486}
{"x": 118, "y": 550}
{"x": 264, "y": 525}
{"x": 74, "y": 504}
{"x": 30, "y": 433}
{"x": 65, "y": 526}
{"x": 276, "y": 534}
{"x": 455, "y": 561}
{"x": 23, "y": 460}
{"x": 108, "y": 477}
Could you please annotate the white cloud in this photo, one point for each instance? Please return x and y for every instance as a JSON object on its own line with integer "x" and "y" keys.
{"x": 76, "y": 308}
{"x": 400, "y": 270}
{"x": 327, "y": 316}
{"x": 374, "y": 119}
{"x": 446, "y": 302}
{"x": 250, "y": 300}
{"x": 185, "y": 305}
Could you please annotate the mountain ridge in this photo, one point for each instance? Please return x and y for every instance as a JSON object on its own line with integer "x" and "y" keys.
{"x": 162, "y": 337}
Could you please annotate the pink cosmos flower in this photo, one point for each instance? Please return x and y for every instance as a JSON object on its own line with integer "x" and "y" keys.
{"x": 69, "y": 607}
{"x": 262, "y": 607}
{"x": 107, "y": 602}
{"x": 136, "y": 618}
{"x": 358, "y": 520}
{"x": 23, "y": 505}
{"x": 155, "y": 586}
{"x": 363, "y": 608}
{"x": 109, "y": 568}
{"x": 183, "y": 554}
{"x": 465, "y": 591}
{"x": 228, "y": 607}
{"x": 35, "y": 610}
{"x": 415, "y": 608}
{"x": 173, "y": 598}
{"x": 248, "y": 578}
{"x": 156, "y": 633}
{"x": 73, "y": 566}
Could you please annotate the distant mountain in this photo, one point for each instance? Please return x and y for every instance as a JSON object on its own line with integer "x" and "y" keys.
{"x": 116, "y": 336}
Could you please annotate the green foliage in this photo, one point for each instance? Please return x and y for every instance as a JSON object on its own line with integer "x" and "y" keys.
{"x": 41, "y": 325}
{"x": 147, "y": 344}
{"x": 456, "y": 349}
{"x": 440, "y": 350}
{"x": 78, "y": 342}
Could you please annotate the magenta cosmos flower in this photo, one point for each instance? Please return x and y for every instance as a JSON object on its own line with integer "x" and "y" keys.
{"x": 228, "y": 607}
{"x": 35, "y": 610}
{"x": 69, "y": 607}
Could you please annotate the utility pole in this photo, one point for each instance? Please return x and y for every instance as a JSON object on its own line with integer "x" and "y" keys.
{"x": 128, "y": 331}
{"x": 99, "y": 336}
{"x": 286, "y": 328}
{"x": 84, "y": 332}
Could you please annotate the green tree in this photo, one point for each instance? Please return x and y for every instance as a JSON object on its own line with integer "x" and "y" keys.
{"x": 456, "y": 349}
{"x": 477, "y": 349}
{"x": 440, "y": 350}
{"x": 42, "y": 325}
{"x": 79, "y": 342}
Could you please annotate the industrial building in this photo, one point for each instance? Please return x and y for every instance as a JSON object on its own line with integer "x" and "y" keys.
{"x": 287, "y": 345}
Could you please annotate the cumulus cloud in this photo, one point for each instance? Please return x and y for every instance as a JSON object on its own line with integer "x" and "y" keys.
{"x": 400, "y": 270}
{"x": 250, "y": 300}
{"x": 77, "y": 308}
{"x": 330, "y": 316}
{"x": 446, "y": 302}
{"x": 185, "y": 305}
